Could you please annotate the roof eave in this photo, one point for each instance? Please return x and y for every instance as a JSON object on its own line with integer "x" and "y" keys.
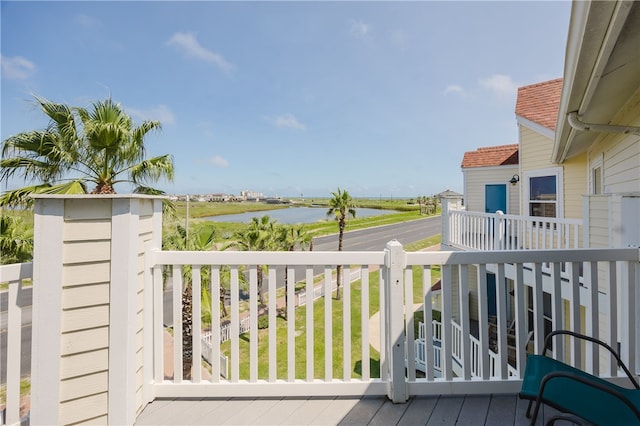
{"x": 593, "y": 31}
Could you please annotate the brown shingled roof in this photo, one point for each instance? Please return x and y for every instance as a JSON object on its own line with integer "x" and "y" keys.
{"x": 539, "y": 102}
{"x": 491, "y": 156}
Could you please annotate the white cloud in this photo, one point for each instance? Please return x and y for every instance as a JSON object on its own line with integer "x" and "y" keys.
{"x": 288, "y": 120}
{"x": 161, "y": 113}
{"x": 359, "y": 28}
{"x": 219, "y": 161}
{"x": 454, "y": 88}
{"x": 501, "y": 85}
{"x": 189, "y": 45}
{"x": 17, "y": 68}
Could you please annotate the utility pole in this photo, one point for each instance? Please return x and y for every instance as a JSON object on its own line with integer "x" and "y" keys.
{"x": 186, "y": 223}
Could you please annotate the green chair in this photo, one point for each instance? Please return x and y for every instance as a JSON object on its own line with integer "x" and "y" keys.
{"x": 580, "y": 396}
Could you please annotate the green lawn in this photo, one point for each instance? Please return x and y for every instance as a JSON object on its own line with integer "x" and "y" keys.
{"x": 301, "y": 357}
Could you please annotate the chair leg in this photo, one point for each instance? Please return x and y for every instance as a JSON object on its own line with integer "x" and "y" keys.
{"x": 528, "y": 414}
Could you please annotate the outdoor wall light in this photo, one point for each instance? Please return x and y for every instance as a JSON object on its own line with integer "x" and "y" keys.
{"x": 515, "y": 179}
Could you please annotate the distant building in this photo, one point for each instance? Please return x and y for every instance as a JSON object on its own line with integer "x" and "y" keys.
{"x": 251, "y": 195}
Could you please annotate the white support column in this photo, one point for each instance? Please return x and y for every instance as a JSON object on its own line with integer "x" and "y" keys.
{"x": 122, "y": 313}
{"x": 89, "y": 322}
{"x": 445, "y": 237}
{"x": 47, "y": 311}
{"x": 395, "y": 261}
{"x": 151, "y": 288}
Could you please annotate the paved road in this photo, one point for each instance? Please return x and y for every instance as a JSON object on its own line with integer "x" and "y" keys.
{"x": 373, "y": 239}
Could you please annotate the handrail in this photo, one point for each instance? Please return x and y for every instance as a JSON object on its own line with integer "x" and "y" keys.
{"x": 498, "y": 231}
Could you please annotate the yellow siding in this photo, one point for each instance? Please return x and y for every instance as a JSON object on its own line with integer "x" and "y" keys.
{"x": 535, "y": 150}
{"x": 477, "y": 178}
{"x": 599, "y": 221}
{"x": 575, "y": 186}
{"x": 535, "y": 154}
{"x": 83, "y": 409}
{"x": 84, "y": 341}
{"x": 85, "y": 385}
{"x": 621, "y": 153}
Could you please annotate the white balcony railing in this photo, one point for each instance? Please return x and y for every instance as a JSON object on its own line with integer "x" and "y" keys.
{"x": 302, "y": 359}
{"x": 14, "y": 277}
{"x": 298, "y": 356}
{"x": 496, "y": 231}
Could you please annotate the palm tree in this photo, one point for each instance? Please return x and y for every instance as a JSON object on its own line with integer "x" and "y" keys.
{"x": 16, "y": 240}
{"x": 101, "y": 146}
{"x": 340, "y": 206}
{"x": 201, "y": 240}
{"x": 259, "y": 235}
{"x": 291, "y": 237}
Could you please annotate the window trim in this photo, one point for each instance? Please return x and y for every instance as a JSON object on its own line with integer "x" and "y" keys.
{"x": 552, "y": 171}
{"x": 595, "y": 164}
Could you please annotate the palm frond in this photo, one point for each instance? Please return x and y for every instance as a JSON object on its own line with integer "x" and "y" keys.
{"x": 153, "y": 169}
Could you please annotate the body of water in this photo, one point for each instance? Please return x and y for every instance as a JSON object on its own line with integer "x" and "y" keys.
{"x": 293, "y": 215}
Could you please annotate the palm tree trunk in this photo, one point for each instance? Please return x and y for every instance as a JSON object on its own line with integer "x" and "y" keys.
{"x": 187, "y": 332}
{"x": 223, "y": 293}
{"x": 260, "y": 289}
{"x": 339, "y": 267}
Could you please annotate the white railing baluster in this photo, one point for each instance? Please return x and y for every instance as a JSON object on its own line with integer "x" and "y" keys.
{"x": 291, "y": 325}
{"x": 328, "y": 315}
{"x": 253, "y": 323}
{"x": 346, "y": 323}
{"x": 196, "y": 321}
{"x": 593, "y": 320}
{"x": 612, "y": 293}
{"x": 364, "y": 306}
{"x": 464, "y": 321}
{"x": 310, "y": 327}
{"x": 483, "y": 318}
{"x": 177, "y": 323}
{"x": 410, "y": 321}
{"x": 235, "y": 321}
{"x": 273, "y": 366}
{"x": 214, "y": 289}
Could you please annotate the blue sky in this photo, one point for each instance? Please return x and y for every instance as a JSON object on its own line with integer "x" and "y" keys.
{"x": 290, "y": 98}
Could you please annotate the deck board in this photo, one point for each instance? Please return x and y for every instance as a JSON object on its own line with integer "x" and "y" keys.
{"x": 418, "y": 411}
{"x": 474, "y": 410}
{"x": 446, "y": 411}
{"x": 369, "y": 410}
{"x": 363, "y": 411}
{"x": 389, "y": 414}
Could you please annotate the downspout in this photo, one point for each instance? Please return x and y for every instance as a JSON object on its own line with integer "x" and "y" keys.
{"x": 575, "y": 122}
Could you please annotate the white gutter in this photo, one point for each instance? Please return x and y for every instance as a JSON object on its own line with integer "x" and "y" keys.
{"x": 575, "y": 122}
{"x": 579, "y": 99}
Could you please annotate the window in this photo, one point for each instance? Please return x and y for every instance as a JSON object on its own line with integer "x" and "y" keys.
{"x": 543, "y": 196}
{"x": 596, "y": 175}
{"x": 543, "y": 193}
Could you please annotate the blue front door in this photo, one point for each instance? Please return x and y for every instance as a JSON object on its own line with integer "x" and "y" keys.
{"x": 495, "y": 198}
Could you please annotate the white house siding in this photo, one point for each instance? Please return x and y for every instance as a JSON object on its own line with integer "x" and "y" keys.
{"x": 476, "y": 178}
{"x": 85, "y": 318}
{"x": 145, "y": 234}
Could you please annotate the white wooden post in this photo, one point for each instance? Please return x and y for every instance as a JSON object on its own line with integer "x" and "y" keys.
{"x": 445, "y": 222}
{"x": 46, "y": 312}
{"x": 395, "y": 261}
{"x": 88, "y": 307}
{"x": 498, "y": 236}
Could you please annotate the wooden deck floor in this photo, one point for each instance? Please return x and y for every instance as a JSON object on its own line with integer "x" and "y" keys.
{"x": 444, "y": 410}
